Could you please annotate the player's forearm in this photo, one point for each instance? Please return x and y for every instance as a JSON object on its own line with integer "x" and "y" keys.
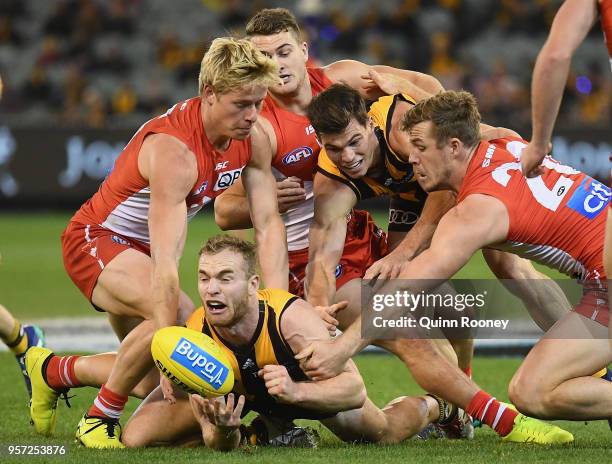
{"x": 165, "y": 291}
{"x": 548, "y": 84}
{"x": 220, "y": 438}
{"x": 419, "y": 86}
{"x": 232, "y": 212}
{"x": 417, "y": 240}
{"x": 341, "y": 393}
{"x": 272, "y": 252}
{"x": 320, "y": 285}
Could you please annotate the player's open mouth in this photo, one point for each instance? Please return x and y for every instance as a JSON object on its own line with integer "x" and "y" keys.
{"x": 353, "y": 165}
{"x": 215, "y": 306}
{"x": 285, "y": 78}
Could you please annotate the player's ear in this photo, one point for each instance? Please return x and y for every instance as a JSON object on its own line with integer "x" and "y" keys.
{"x": 253, "y": 284}
{"x": 208, "y": 94}
{"x": 304, "y": 48}
{"x": 455, "y": 145}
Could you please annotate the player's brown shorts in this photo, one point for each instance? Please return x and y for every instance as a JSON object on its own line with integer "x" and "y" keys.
{"x": 594, "y": 304}
{"x": 365, "y": 243}
{"x": 87, "y": 249}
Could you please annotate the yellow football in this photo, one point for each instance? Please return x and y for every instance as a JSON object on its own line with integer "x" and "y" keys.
{"x": 193, "y": 361}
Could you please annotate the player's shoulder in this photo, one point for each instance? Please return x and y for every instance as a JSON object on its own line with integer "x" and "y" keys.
{"x": 277, "y": 298}
{"x": 196, "y": 319}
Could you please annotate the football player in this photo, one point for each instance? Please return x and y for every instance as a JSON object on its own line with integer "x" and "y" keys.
{"x": 557, "y": 219}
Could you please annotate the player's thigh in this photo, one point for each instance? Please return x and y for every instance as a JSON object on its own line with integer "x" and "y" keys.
{"x": 574, "y": 347}
{"x": 156, "y": 422}
{"x": 123, "y": 290}
{"x": 351, "y": 292}
{"x": 366, "y": 424}
{"x": 123, "y": 287}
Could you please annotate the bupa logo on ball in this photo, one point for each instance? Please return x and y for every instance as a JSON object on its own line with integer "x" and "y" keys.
{"x": 297, "y": 155}
{"x": 202, "y": 364}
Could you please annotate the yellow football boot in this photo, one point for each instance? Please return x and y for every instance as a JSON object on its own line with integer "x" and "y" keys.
{"x": 529, "y": 430}
{"x": 43, "y": 403}
{"x": 97, "y": 432}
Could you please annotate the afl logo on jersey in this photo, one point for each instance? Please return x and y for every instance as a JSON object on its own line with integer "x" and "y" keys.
{"x": 201, "y": 188}
{"x": 297, "y": 155}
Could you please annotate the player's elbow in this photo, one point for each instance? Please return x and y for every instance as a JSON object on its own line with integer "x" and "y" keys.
{"x": 359, "y": 394}
{"x": 554, "y": 55}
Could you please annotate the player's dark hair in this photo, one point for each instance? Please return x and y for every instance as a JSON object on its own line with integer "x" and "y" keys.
{"x": 270, "y": 21}
{"x": 454, "y": 114}
{"x": 221, "y": 242}
{"x": 331, "y": 111}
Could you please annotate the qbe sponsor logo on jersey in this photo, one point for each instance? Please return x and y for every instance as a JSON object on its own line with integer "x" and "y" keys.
{"x": 590, "y": 198}
{"x": 226, "y": 179}
{"x": 198, "y": 361}
{"x": 297, "y": 155}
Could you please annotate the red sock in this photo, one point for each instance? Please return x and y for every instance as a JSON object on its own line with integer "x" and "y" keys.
{"x": 60, "y": 372}
{"x": 108, "y": 404}
{"x": 489, "y": 411}
{"x": 468, "y": 371}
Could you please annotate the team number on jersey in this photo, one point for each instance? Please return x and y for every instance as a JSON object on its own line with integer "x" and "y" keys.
{"x": 549, "y": 197}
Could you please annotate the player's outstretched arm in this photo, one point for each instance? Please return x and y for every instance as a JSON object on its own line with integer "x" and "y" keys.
{"x": 332, "y": 202}
{"x": 476, "y": 222}
{"x": 270, "y": 233}
{"x": 416, "y": 240}
{"x": 300, "y": 326}
{"x": 358, "y": 75}
{"x": 570, "y": 26}
{"x": 171, "y": 170}
{"x": 540, "y": 294}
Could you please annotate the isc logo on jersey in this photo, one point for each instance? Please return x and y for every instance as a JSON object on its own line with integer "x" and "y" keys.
{"x": 590, "y": 198}
{"x": 297, "y": 155}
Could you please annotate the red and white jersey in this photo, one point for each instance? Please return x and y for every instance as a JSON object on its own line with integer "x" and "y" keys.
{"x": 122, "y": 202}
{"x": 556, "y": 219}
{"x": 297, "y": 151}
{"x": 605, "y": 12}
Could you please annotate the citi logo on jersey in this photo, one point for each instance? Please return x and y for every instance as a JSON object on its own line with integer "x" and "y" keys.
{"x": 297, "y": 155}
{"x": 590, "y": 198}
{"x": 202, "y": 364}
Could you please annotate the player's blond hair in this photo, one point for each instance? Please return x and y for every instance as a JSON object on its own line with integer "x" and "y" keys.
{"x": 221, "y": 242}
{"x": 231, "y": 63}
{"x": 453, "y": 114}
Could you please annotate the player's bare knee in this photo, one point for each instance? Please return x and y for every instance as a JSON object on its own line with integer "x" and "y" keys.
{"x": 526, "y": 396}
{"x": 133, "y": 436}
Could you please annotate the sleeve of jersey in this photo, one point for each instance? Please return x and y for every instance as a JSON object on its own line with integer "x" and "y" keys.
{"x": 327, "y": 167}
{"x": 196, "y": 320}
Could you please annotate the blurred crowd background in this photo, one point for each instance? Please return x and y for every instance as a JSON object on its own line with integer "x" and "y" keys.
{"x": 115, "y": 63}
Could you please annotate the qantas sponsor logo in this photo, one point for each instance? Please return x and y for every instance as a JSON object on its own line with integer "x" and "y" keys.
{"x": 226, "y": 179}
{"x": 297, "y": 155}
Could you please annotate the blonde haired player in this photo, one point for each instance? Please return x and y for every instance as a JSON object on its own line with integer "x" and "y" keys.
{"x": 122, "y": 248}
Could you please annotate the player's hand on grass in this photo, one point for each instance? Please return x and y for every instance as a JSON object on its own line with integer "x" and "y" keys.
{"x": 290, "y": 193}
{"x": 531, "y": 159}
{"x": 388, "y": 267}
{"x": 328, "y": 314}
{"x": 279, "y": 383}
{"x": 167, "y": 388}
{"x": 323, "y": 359}
{"x": 216, "y": 411}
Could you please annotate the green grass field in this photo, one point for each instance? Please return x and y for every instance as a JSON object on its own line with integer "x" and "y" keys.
{"x": 33, "y": 284}
{"x": 385, "y": 379}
